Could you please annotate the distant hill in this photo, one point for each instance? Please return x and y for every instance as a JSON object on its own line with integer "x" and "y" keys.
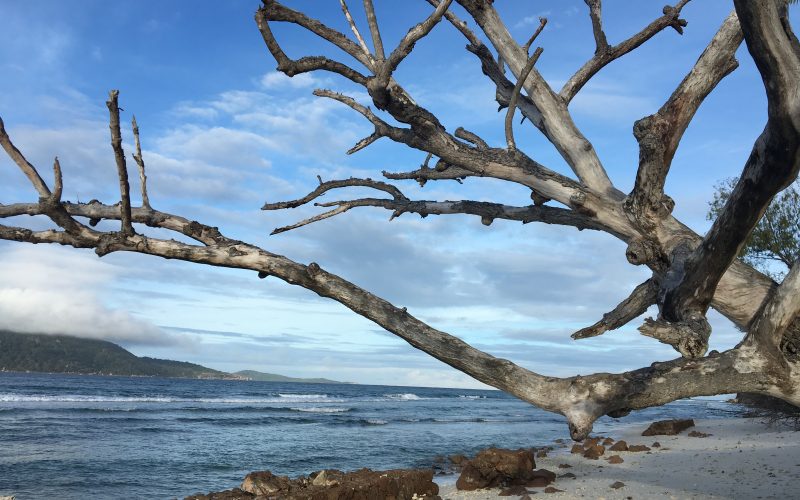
{"x": 271, "y": 377}
{"x": 22, "y": 352}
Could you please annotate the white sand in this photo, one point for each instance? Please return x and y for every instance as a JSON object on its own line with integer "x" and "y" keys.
{"x": 743, "y": 458}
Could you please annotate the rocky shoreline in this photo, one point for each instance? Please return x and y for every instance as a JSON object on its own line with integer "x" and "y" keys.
{"x": 600, "y": 466}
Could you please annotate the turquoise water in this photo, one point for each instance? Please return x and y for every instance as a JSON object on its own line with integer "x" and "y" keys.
{"x": 119, "y": 437}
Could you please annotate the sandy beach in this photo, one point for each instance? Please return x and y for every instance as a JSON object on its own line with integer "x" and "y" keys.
{"x": 741, "y": 458}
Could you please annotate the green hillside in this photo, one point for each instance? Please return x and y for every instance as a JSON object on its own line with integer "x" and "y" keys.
{"x": 62, "y": 354}
{"x": 271, "y": 377}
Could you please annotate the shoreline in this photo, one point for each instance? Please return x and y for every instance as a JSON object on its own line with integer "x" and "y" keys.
{"x": 741, "y": 458}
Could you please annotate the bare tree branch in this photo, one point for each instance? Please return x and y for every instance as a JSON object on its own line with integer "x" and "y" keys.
{"x": 773, "y": 163}
{"x": 24, "y": 165}
{"x": 119, "y": 155}
{"x": 512, "y": 103}
{"x": 58, "y": 186}
{"x": 596, "y": 14}
{"x": 354, "y": 28}
{"x": 140, "y": 163}
{"x": 659, "y": 134}
{"x": 406, "y": 45}
{"x": 605, "y": 54}
{"x": 372, "y": 20}
{"x": 642, "y": 297}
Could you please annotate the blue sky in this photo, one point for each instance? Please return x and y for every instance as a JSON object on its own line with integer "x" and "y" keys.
{"x": 222, "y": 133}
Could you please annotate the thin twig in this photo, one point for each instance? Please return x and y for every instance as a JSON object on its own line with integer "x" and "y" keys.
{"x": 512, "y": 103}
{"x": 542, "y": 24}
{"x": 27, "y": 168}
{"x": 354, "y": 28}
{"x": 58, "y": 187}
{"x": 140, "y": 162}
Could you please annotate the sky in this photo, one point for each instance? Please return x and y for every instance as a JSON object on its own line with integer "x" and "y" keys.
{"x": 222, "y": 132}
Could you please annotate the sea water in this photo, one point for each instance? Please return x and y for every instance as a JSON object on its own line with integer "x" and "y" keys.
{"x": 64, "y": 436}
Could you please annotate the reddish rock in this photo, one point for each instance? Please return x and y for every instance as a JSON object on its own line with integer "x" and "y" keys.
{"x": 697, "y": 434}
{"x": 617, "y": 485}
{"x": 619, "y": 446}
{"x": 496, "y": 467}
{"x": 615, "y": 459}
{"x": 607, "y": 442}
{"x": 594, "y": 452}
{"x": 577, "y": 448}
{"x": 668, "y": 427}
{"x": 638, "y": 447}
{"x": 551, "y": 489}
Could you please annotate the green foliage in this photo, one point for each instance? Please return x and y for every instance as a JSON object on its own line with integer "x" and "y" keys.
{"x": 61, "y": 354}
{"x": 776, "y": 238}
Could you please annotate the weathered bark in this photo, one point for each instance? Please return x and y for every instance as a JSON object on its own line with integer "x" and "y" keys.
{"x": 690, "y": 273}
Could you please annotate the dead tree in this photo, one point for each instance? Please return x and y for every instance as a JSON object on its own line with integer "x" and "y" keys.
{"x": 690, "y": 273}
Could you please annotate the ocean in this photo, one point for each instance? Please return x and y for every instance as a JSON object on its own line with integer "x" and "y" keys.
{"x": 75, "y": 437}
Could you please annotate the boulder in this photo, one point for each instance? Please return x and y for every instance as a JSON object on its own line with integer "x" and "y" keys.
{"x": 615, "y": 459}
{"x": 577, "y": 448}
{"x": 564, "y": 466}
{"x": 668, "y": 427}
{"x": 568, "y": 475}
{"x": 594, "y": 452}
{"x": 607, "y": 442}
{"x": 619, "y": 446}
{"x": 638, "y": 447}
{"x": 540, "y": 478}
{"x": 551, "y": 489}
{"x": 364, "y": 484}
{"x": 265, "y": 483}
{"x": 617, "y": 485}
{"x": 494, "y": 467}
{"x": 698, "y": 434}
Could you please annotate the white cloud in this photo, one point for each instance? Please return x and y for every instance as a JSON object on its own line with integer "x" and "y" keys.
{"x": 277, "y": 80}
{"x": 55, "y": 291}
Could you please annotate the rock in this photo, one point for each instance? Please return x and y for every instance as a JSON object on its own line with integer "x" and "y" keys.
{"x": 541, "y": 478}
{"x": 619, "y": 446}
{"x": 697, "y": 434}
{"x": 458, "y": 460}
{"x": 577, "y": 448}
{"x": 668, "y": 427}
{"x": 658, "y": 445}
{"x": 335, "y": 485}
{"x": 7, "y": 497}
{"x": 564, "y": 466}
{"x": 264, "y": 483}
{"x": 588, "y": 443}
{"x": 541, "y": 454}
{"x": 594, "y": 452}
{"x": 234, "y": 494}
{"x": 551, "y": 489}
{"x": 615, "y": 459}
{"x": 514, "y": 490}
{"x": 497, "y": 467}
{"x": 322, "y": 479}
{"x": 617, "y": 485}
{"x": 568, "y": 475}
{"x": 638, "y": 447}
{"x": 607, "y": 442}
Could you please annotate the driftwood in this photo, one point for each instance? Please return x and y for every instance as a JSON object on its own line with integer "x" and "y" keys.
{"x": 690, "y": 273}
